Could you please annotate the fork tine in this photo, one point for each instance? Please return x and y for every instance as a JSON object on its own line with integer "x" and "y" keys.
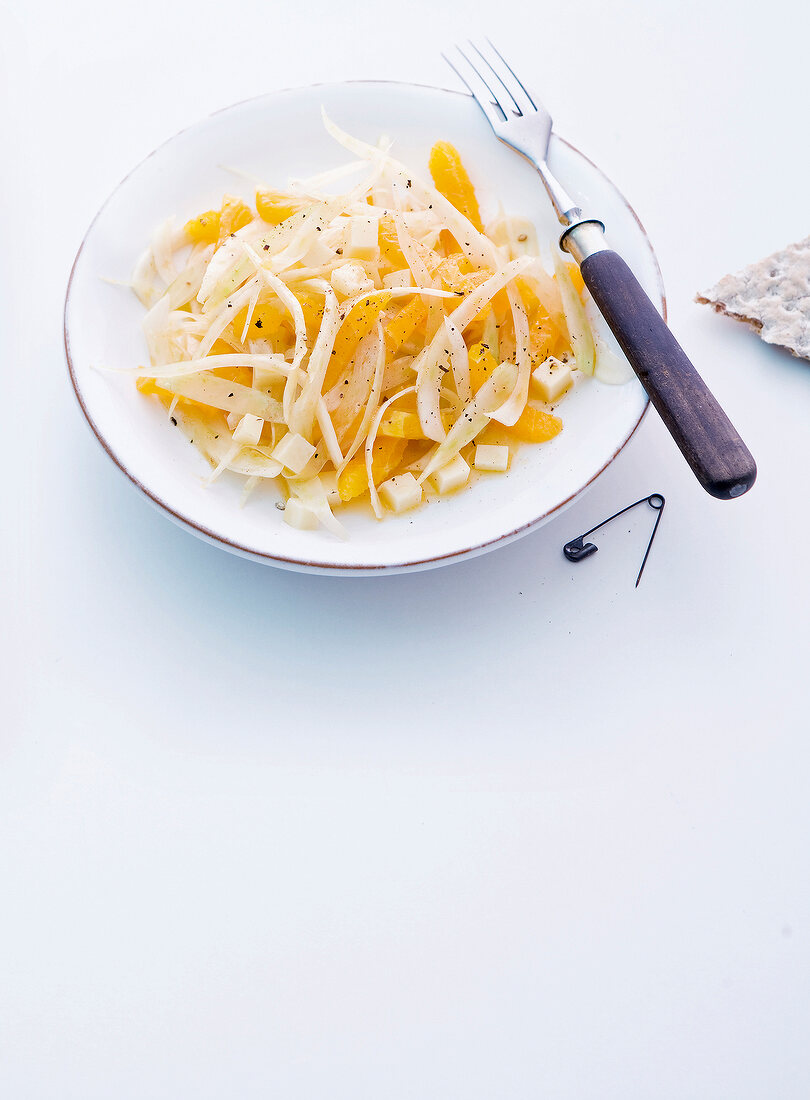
{"x": 525, "y": 90}
{"x": 479, "y": 89}
{"x": 507, "y": 77}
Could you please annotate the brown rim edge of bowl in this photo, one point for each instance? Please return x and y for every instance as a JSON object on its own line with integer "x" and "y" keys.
{"x": 336, "y": 567}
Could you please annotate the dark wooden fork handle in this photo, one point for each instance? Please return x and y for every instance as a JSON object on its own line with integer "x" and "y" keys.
{"x": 708, "y": 440}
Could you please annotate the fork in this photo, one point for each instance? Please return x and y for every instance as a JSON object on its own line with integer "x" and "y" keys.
{"x": 706, "y": 437}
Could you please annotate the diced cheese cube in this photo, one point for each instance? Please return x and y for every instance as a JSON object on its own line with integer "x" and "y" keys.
{"x": 293, "y": 452}
{"x": 398, "y": 278}
{"x": 489, "y": 457}
{"x": 452, "y": 475}
{"x": 362, "y": 242}
{"x": 350, "y": 280}
{"x": 329, "y": 482}
{"x": 298, "y": 515}
{"x": 248, "y": 430}
{"x": 401, "y": 492}
{"x": 550, "y": 379}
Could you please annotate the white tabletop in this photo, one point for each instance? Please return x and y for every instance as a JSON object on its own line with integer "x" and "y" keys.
{"x": 509, "y": 828}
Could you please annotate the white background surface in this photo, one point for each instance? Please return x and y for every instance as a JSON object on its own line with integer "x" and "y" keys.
{"x": 509, "y": 828}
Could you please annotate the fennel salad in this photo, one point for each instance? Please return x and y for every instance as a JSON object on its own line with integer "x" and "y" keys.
{"x": 380, "y": 344}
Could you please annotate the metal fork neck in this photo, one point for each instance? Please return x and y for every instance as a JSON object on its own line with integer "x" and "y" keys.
{"x": 570, "y": 218}
{"x": 565, "y": 208}
{"x": 582, "y": 237}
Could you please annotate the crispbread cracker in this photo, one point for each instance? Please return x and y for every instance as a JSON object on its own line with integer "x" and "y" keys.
{"x": 773, "y": 296}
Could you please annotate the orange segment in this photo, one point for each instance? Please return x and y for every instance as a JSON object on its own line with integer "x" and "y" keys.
{"x": 265, "y": 321}
{"x": 402, "y": 425}
{"x": 360, "y": 321}
{"x": 353, "y": 480}
{"x": 271, "y": 318}
{"x": 500, "y": 304}
{"x": 527, "y": 293}
{"x": 494, "y": 435}
{"x": 404, "y": 323}
{"x": 457, "y": 274}
{"x": 542, "y": 338}
{"x": 204, "y": 229}
{"x": 234, "y": 215}
{"x": 242, "y": 375}
{"x": 576, "y": 277}
{"x": 451, "y": 179}
{"x": 312, "y": 308}
{"x": 474, "y": 332}
{"x": 405, "y": 424}
{"x": 147, "y": 387}
{"x": 222, "y": 347}
{"x": 545, "y": 337}
{"x": 274, "y": 207}
{"x": 389, "y": 243}
{"x": 506, "y": 340}
{"x": 451, "y": 270}
{"x": 482, "y": 364}
{"x": 536, "y": 426}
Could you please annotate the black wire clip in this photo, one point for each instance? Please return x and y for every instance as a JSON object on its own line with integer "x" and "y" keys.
{"x": 577, "y": 549}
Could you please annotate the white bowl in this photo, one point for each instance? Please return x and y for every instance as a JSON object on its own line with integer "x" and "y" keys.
{"x": 281, "y": 135}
